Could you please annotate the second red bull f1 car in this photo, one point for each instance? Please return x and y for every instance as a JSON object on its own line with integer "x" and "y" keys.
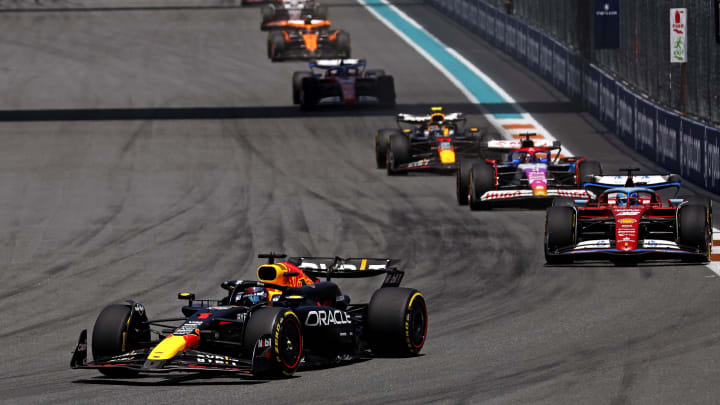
{"x": 626, "y": 219}
{"x": 265, "y": 328}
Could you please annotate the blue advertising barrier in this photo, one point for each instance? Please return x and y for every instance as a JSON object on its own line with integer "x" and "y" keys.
{"x": 680, "y": 145}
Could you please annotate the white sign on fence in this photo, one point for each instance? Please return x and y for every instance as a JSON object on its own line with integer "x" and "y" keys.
{"x": 678, "y": 35}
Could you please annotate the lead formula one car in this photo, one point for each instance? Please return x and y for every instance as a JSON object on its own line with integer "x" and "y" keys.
{"x": 626, "y": 219}
{"x": 274, "y": 14}
{"x": 434, "y": 142}
{"x": 531, "y": 171}
{"x": 307, "y": 40}
{"x": 342, "y": 81}
{"x": 265, "y": 328}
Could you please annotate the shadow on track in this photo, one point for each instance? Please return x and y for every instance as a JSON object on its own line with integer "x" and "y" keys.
{"x": 184, "y": 380}
{"x": 206, "y": 113}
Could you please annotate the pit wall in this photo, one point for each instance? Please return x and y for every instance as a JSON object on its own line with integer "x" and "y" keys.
{"x": 678, "y": 144}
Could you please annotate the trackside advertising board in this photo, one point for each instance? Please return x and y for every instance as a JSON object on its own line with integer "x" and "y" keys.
{"x": 678, "y": 35}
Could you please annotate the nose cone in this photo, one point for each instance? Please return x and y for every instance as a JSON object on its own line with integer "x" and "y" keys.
{"x": 447, "y": 156}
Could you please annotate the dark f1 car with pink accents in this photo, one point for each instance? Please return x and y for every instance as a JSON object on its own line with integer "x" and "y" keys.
{"x": 342, "y": 81}
{"x": 626, "y": 219}
{"x": 265, "y": 328}
{"x": 531, "y": 170}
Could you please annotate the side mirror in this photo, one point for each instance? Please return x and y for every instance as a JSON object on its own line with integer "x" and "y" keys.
{"x": 186, "y": 296}
{"x": 581, "y": 203}
{"x": 676, "y": 201}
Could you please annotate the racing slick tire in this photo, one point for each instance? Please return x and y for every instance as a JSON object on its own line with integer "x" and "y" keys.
{"x": 374, "y": 73}
{"x": 563, "y": 202}
{"x": 309, "y": 97}
{"x": 559, "y": 233}
{"x": 276, "y": 44}
{"x": 462, "y": 180}
{"x": 398, "y": 153}
{"x": 297, "y": 83}
{"x": 268, "y": 12}
{"x": 397, "y": 322}
{"x": 342, "y": 43}
{"x": 694, "y": 231}
{"x": 283, "y": 326}
{"x": 107, "y": 339}
{"x": 386, "y": 90}
{"x": 481, "y": 180}
{"x": 382, "y": 138}
{"x": 587, "y": 168}
{"x": 320, "y": 11}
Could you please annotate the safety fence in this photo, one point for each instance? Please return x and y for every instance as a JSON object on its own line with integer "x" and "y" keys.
{"x": 679, "y": 144}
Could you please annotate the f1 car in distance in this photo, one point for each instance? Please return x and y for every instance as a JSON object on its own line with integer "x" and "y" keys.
{"x": 625, "y": 218}
{"x": 307, "y": 40}
{"x": 530, "y": 171}
{"x": 343, "y": 81}
{"x": 433, "y": 142}
{"x": 265, "y": 328}
{"x": 274, "y": 14}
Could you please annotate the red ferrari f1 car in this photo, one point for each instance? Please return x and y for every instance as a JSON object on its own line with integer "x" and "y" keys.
{"x": 625, "y": 219}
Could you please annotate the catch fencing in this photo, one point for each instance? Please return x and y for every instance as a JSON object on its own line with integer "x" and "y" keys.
{"x": 680, "y": 144}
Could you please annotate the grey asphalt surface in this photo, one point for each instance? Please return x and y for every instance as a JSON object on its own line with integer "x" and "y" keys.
{"x": 96, "y": 211}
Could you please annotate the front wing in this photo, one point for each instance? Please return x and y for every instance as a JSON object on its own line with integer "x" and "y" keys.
{"x": 527, "y": 194}
{"x": 647, "y": 248}
{"x": 304, "y": 54}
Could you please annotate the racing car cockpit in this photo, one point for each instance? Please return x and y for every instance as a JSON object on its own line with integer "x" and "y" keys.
{"x": 529, "y": 156}
{"x": 628, "y": 198}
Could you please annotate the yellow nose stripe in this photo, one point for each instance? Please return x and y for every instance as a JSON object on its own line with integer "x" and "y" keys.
{"x": 447, "y": 156}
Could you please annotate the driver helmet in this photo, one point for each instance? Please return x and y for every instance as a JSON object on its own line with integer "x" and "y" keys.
{"x": 253, "y": 296}
{"x": 633, "y": 199}
{"x": 622, "y": 199}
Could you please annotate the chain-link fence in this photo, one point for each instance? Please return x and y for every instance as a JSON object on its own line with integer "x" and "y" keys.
{"x": 643, "y": 60}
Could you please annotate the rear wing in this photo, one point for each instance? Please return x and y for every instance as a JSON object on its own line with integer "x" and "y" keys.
{"x": 417, "y": 119}
{"x": 337, "y": 267}
{"x": 518, "y": 144}
{"x": 598, "y": 184}
{"x": 334, "y": 63}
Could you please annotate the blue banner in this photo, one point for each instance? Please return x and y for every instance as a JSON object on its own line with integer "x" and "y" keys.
{"x": 533, "y": 49}
{"x": 591, "y": 91}
{"x": 521, "y": 40}
{"x": 546, "y": 57}
{"x": 667, "y": 138}
{"x": 607, "y": 94}
{"x": 560, "y": 61}
{"x": 574, "y": 77}
{"x": 625, "y": 115}
{"x": 606, "y": 23}
{"x": 691, "y": 145}
{"x": 644, "y": 129}
{"x": 711, "y": 162}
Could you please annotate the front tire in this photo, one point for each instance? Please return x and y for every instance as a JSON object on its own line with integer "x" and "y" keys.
{"x": 118, "y": 330}
{"x": 297, "y": 83}
{"x": 342, "y": 43}
{"x": 308, "y": 97}
{"x": 559, "y": 233}
{"x": 382, "y": 139}
{"x": 397, "y": 322}
{"x": 286, "y": 350}
{"x": 386, "y": 90}
{"x": 587, "y": 168}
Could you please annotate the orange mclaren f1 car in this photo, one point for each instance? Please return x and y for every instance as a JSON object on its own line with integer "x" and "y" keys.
{"x": 305, "y": 40}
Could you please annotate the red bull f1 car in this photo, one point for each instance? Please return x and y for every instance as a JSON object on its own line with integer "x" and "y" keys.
{"x": 274, "y": 14}
{"x": 306, "y": 40}
{"x": 294, "y": 314}
{"x": 435, "y": 142}
{"x": 626, "y": 219}
{"x": 343, "y": 81}
{"x": 531, "y": 171}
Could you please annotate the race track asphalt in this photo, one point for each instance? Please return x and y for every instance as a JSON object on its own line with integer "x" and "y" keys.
{"x": 149, "y": 147}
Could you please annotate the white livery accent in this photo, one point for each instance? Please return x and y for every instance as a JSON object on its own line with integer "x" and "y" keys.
{"x": 424, "y": 118}
{"x": 659, "y": 244}
{"x": 517, "y": 144}
{"x": 336, "y": 62}
{"x": 594, "y": 244}
{"x": 517, "y": 194}
{"x": 621, "y": 180}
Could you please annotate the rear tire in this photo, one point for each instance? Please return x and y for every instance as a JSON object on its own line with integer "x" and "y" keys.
{"x": 397, "y": 322}
{"x": 297, "y": 83}
{"x": 386, "y": 90}
{"x": 587, "y": 168}
{"x": 286, "y": 350}
{"x": 462, "y": 180}
{"x": 398, "y": 153}
{"x": 382, "y": 138}
{"x": 342, "y": 43}
{"x": 482, "y": 180}
{"x": 308, "y": 97}
{"x": 559, "y": 233}
{"x": 107, "y": 337}
{"x": 694, "y": 230}
{"x": 276, "y": 44}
